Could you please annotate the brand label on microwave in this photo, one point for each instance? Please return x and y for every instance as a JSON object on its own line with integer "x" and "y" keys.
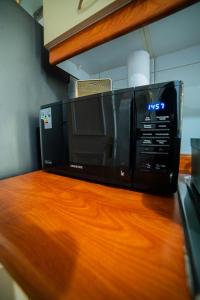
{"x": 48, "y": 162}
{"x": 45, "y": 115}
{"x": 76, "y": 166}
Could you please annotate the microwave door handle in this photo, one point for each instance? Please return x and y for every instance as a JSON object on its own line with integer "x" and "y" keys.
{"x": 111, "y": 151}
{"x": 114, "y": 139}
{"x": 110, "y": 147}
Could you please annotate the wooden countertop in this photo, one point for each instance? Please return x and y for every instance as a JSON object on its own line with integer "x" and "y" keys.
{"x": 62, "y": 238}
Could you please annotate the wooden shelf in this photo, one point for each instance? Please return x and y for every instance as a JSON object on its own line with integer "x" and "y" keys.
{"x": 134, "y": 15}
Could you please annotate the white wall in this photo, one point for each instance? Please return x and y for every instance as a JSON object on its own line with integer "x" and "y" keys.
{"x": 184, "y": 65}
{"x": 118, "y": 75}
{"x": 181, "y": 65}
{"x": 74, "y": 70}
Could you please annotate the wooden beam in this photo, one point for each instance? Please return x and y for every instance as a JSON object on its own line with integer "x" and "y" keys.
{"x": 185, "y": 164}
{"x": 130, "y": 17}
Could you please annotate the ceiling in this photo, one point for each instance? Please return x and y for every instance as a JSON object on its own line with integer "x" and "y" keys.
{"x": 178, "y": 31}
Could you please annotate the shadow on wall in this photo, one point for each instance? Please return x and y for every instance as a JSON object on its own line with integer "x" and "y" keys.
{"x": 24, "y": 87}
{"x": 34, "y": 134}
{"x": 55, "y": 76}
{"x": 26, "y": 155}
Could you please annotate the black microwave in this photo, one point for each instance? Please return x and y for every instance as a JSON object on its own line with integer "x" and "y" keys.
{"x": 128, "y": 137}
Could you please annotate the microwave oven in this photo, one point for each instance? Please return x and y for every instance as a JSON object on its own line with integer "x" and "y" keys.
{"x": 128, "y": 137}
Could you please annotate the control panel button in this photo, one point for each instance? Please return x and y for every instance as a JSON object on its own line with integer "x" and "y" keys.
{"x": 147, "y": 142}
{"x": 162, "y": 118}
{"x": 147, "y": 118}
{"x": 160, "y": 166}
{"x": 161, "y": 141}
{"x": 155, "y": 149}
{"x": 162, "y": 126}
{"x": 147, "y": 149}
{"x": 147, "y": 165}
{"x": 149, "y": 126}
{"x": 153, "y": 165}
{"x": 162, "y": 149}
{"x": 147, "y": 134}
{"x": 154, "y": 152}
{"x": 161, "y": 133}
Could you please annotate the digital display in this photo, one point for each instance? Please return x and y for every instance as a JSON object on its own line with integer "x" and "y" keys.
{"x": 156, "y": 106}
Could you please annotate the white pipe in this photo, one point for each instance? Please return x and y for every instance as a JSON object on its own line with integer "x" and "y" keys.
{"x": 138, "y": 68}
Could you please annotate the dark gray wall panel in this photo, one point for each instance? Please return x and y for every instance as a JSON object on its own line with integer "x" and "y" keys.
{"x": 24, "y": 86}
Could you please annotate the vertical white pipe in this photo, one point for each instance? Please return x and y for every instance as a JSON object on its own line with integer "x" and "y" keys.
{"x": 138, "y": 68}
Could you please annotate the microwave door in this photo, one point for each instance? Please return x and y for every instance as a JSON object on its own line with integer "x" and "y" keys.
{"x": 98, "y": 135}
{"x": 90, "y": 131}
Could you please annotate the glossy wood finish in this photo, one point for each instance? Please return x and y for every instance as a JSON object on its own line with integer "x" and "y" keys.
{"x": 63, "y": 238}
{"x": 185, "y": 164}
{"x": 130, "y": 17}
{"x": 75, "y": 20}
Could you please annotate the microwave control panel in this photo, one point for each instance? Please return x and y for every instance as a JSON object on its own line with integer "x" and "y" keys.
{"x": 157, "y": 137}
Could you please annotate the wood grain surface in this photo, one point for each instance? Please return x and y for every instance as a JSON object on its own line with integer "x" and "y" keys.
{"x": 130, "y": 17}
{"x": 185, "y": 164}
{"x": 63, "y": 238}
